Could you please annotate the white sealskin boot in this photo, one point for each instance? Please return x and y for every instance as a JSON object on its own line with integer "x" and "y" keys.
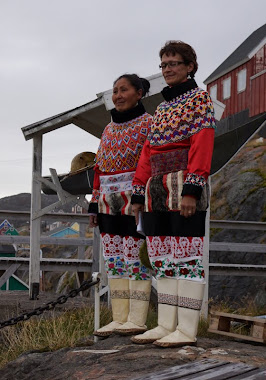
{"x": 167, "y": 312}
{"x": 119, "y": 291}
{"x": 190, "y": 296}
{"x": 139, "y": 291}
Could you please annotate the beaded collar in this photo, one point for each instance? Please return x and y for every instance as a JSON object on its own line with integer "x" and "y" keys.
{"x": 170, "y": 93}
{"x": 133, "y": 113}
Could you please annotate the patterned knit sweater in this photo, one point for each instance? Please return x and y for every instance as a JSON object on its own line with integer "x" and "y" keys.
{"x": 120, "y": 147}
{"x": 181, "y": 139}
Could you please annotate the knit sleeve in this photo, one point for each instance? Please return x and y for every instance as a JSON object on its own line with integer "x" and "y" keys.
{"x": 199, "y": 162}
{"x": 142, "y": 175}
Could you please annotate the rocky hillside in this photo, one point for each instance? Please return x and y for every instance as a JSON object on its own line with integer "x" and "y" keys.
{"x": 22, "y": 202}
{"x": 239, "y": 193}
{"x": 239, "y": 189}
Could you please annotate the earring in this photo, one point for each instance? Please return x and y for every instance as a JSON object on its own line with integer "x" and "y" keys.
{"x": 188, "y": 76}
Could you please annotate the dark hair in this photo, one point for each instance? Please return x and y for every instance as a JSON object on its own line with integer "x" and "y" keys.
{"x": 186, "y": 51}
{"x": 137, "y": 82}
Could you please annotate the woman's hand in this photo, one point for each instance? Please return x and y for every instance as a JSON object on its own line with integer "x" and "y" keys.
{"x": 188, "y": 206}
{"x": 137, "y": 207}
{"x": 93, "y": 221}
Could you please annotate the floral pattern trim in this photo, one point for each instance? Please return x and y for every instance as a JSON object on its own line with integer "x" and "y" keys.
{"x": 195, "y": 179}
{"x": 166, "y": 268}
{"x": 167, "y": 299}
{"x": 123, "y": 294}
{"x": 176, "y": 248}
{"x": 121, "y": 257}
{"x": 140, "y": 296}
{"x": 116, "y": 183}
{"x": 189, "y": 303}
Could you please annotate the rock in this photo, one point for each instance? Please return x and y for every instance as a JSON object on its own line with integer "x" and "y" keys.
{"x": 239, "y": 193}
{"x": 117, "y": 358}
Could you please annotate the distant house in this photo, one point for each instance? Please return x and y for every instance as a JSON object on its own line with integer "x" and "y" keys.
{"x": 7, "y": 229}
{"x": 7, "y": 251}
{"x": 63, "y": 232}
{"x": 78, "y": 210}
{"x": 4, "y": 226}
{"x": 12, "y": 231}
{"x": 240, "y": 81}
{"x": 75, "y": 226}
{"x": 13, "y": 283}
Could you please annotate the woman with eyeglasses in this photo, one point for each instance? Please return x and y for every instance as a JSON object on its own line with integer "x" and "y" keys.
{"x": 171, "y": 181}
{"x": 110, "y": 208}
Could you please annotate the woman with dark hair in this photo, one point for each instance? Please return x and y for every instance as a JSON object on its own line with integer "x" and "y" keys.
{"x": 110, "y": 208}
{"x": 170, "y": 184}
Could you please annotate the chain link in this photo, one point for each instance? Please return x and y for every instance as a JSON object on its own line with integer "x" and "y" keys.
{"x": 50, "y": 305}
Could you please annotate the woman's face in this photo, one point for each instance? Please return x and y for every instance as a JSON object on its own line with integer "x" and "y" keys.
{"x": 175, "y": 74}
{"x": 125, "y": 96}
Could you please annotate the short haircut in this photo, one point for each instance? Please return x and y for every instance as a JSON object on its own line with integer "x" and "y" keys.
{"x": 186, "y": 51}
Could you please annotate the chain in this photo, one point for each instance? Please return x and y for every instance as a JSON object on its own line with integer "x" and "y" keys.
{"x": 50, "y": 305}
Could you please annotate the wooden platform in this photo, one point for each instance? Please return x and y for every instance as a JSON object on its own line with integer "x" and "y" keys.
{"x": 226, "y": 323}
{"x": 208, "y": 369}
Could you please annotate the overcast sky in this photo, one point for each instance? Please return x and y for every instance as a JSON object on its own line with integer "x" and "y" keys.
{"x": 58, "y": 54}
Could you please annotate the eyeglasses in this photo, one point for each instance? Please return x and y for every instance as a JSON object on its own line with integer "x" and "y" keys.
{"x": 171, "y": 64}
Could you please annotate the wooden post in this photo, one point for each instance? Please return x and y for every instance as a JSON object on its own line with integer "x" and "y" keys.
{"x": 206, "y": 254}
{"x": 102, "y": 270}
{"x": 98, "y": 261}
{"x": 81, "y": 250}
{"x": 82, "y": 233}
{"x": 8, "y": 273}
{"x": 35, "y": 223}
{"x": 96, "y": 250}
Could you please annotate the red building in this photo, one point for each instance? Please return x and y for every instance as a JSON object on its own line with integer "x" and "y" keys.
{"x": 240, "y": 82}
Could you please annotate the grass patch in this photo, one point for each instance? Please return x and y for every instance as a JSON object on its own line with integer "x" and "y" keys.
{"x": 49, "y": 333}
{"x": 246, "y": 306}
{"x": 66, "y": 329}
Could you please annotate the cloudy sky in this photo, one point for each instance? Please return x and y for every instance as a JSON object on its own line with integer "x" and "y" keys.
{"x": 58, "y": 54}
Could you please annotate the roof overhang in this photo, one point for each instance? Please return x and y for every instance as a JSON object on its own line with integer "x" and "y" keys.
{"x": 92, "y": 117}
{"x": 95, "y": 115}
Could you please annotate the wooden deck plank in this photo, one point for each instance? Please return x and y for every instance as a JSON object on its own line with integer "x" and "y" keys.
{"x": 238, "y": 316}
{"x": 255, "y": 374}
{"x": 207, "y": 369}
{"x": 227, "y": 371}
{"x": 236, "y": 336}
{"x": 179, "y": 371}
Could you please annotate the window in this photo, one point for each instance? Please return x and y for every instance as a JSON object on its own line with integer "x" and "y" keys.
{"x": 213, "y": 91}
{"x": 241, "y": 80}
{"x": 227, "y": 88}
